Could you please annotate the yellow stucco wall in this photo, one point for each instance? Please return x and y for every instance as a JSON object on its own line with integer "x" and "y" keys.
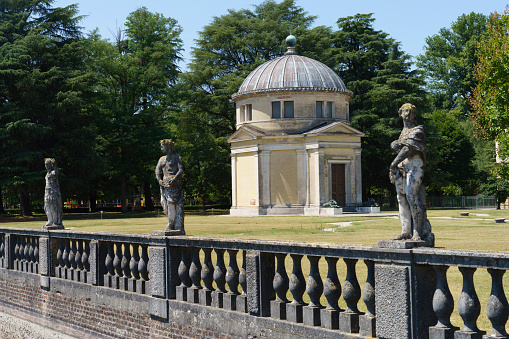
{"x": 283, "y": 177}
{"x": 246, "y": 180}
{"x": 304, "y": 108}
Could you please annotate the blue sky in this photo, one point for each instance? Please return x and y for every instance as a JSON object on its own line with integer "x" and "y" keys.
{"x": 409, "y": 22}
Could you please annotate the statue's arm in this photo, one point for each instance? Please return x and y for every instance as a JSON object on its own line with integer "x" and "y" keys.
{"x": 404, "y": 153}
{"x": 180, "y": 171}
{"x": 159, "y": 171}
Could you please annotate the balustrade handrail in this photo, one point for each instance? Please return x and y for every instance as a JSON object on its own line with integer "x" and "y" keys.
{"x": 433, "y": 256}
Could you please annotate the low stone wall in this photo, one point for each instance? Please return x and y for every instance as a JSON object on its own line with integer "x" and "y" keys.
{"x": 139, "y": 286}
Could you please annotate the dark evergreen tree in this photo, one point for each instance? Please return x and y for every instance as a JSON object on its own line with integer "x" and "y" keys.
{"x": 44, "y": 87}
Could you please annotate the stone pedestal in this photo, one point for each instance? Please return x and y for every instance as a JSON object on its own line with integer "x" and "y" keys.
{"x": 181, "y": 293}
{"x": 403, "y": 244}
{"x": 278, "y": 309}
{"x": 442, "y": 332}
{"x": 242, "y": 303}
{"x": 469, "y": 335}
{"x": 193, "y": 295}
{"x": 170, "y": 233}
{"x": 329, "y": 319}
{"x": 349, "y": 322}
{"x": 230, "y": 302}
{"x": 217, "y": 299}
{"x": 294, "y": 312}
{"x": 205, "y": 297}
{"x": 52, "y": 227}
{"x": 311, "y": 315}
{"x": 367, "y": 325}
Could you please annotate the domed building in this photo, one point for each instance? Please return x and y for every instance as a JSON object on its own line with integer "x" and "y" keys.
{"x": 293, "y": 149}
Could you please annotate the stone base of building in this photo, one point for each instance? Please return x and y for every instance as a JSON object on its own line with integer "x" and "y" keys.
{"x": 285, "y": 210}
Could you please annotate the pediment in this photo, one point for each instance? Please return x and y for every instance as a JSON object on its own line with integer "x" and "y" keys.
{"x": 242, "y": 135}
{"x": 336, "y": 128}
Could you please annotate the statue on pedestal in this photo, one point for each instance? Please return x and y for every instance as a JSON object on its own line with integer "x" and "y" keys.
{"x": 169, "y": 171}
{"x": 52, "y": 196}
{"x": 406, "y": 173}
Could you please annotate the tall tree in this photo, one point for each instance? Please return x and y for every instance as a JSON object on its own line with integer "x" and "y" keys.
{"x": 44, "y": 88}
{"x": 137, "y": 73}
{"x": 372, "y": 66}
{"x": 448, "y": 62}
{"x": 490, "y": 100}
{"x": 228, "y": 49}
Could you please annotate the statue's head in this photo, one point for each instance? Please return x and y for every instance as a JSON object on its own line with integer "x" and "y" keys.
{"x": 167, "y": 144}
{"x": 411, "y": 110}
{"x": 50, "y": 163}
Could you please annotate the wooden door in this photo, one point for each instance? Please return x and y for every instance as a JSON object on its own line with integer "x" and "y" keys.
{"x": 338, "y": 183}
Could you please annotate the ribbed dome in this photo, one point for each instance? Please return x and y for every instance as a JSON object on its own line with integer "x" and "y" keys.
{"x": 292, "y": 72}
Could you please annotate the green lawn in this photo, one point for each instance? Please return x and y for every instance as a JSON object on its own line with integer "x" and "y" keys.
{"x": 475, "y": 232}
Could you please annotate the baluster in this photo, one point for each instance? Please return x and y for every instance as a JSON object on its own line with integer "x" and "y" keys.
{"x": 194, "y": 274}
{"x": 219, "y": 278}
{"x": 207, "y": 277}
{"x": 469, "y": 307}
{"x": 142, "y": 268}
{"x": 314, "y": 289}
{"x": 349, "y": 319}
{"x": 85, "y": 256}
{"x": 85, "y": 264}
{"x": 142, "y": 265}
{"x": 183, "y": 272}
{"x": 78, "y": 256}
{"x": 72, "y": 256}
{"x": 65, "y": 257}
{"x": 2, "y": 247}
{"x": 135, "y": 259}
{"x": 443, "y": 306}
{"x": 133, "y": 267}
{"x": 60, "y": 260}
{"x": 367, "y": 322}
{"x": 21, "y": 252}
{"x": 124, "y": 265}
{"x": 332, "y": 291}
{"x": 16, "y": 253}
{"x": 297, "y": 286}
{"x": 116, "y": 264}
{"x": 36, "y": 250}
{"x": 108, "y": 263}
{"x": 232, "y": 278}
{"x": 31, "y": 246}
{"x": 242, "y": 299}
{"x": 497, "y": 308}
{"x": 281, "y": 283}
{"x": 26, "y": 246}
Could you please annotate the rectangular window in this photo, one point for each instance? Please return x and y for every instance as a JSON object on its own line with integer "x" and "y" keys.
{"x": 329, "y": 110}
{"x": 249, "y": 112}
{"x": 276, "y": 110}
{"x": 288, "y": 109}
{"x": 241, "y": 115}
{"x": 319, "y": 109}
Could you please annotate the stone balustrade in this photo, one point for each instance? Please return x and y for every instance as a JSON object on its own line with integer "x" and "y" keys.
{"x": 405, "y": 293}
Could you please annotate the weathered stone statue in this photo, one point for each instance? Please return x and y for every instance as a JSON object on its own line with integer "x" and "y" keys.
{"x": 52, "y": 197}
{"x": 406, "y": 173}
{"x": 169, "y": 171}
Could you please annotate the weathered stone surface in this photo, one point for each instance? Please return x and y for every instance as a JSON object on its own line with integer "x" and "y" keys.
{"x": 441, "y": 333}
{"x": 406, "y": 173}
{"x": 52, "y": 196}
{"x": 157, "y": 270}
{"x": 392, "y": 295}
{"x": 349, "y": 322}
{"x": 329, "y": 318}
{"x": 403, "y": 244}
{"x": 158, "y": 308}
{"x": 294, "y": 313}
{"x": 367, "y": 325}
{"x": 169, "y": 171}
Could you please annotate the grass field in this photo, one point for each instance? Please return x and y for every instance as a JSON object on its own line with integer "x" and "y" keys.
{"x": 475, "y": 232}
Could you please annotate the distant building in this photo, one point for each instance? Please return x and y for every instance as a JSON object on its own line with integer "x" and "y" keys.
{"x": 293, "y": 149}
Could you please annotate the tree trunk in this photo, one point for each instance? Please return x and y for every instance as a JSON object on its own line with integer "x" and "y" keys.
{"x": 2, "y": 211}
{"x": 149, "y": 204}
{"x": 124, "y": 195}
{"x": 92, "y": 197}
{"x": 25, "y": 208}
